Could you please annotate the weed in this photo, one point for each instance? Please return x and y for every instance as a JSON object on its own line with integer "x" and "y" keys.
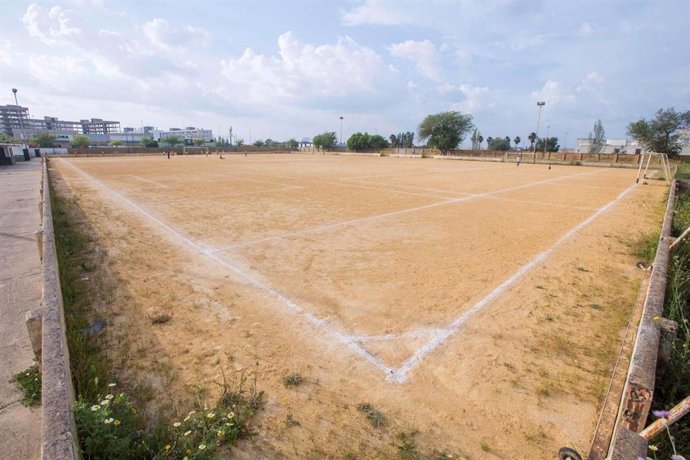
{"x": 376, "y": 418}
{"x": 407, "y": 448}
{"x": 545, "y": 389}
{"x": 290, "y": 421}
{"x": 645, "y": 247}
{"x": 292, "y": 380}
{"x": 485, "y": 447}
{"x": 29, "y": 383}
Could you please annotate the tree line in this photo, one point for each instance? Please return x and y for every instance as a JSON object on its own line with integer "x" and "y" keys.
{"x": 446, "y": 130}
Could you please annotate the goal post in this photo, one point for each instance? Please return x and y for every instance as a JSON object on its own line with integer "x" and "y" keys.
{"x": 659, "y": 164}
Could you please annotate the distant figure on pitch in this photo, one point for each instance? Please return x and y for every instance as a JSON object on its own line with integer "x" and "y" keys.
{"x": 168, "y": 154}
{"x": 517, "y": 161}
{"x": 221, "y": 157}
{"x": 245, "y": 154}
{"x": 549, "y": 165}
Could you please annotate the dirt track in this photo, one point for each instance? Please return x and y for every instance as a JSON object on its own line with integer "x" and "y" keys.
{"x": 353, "y": 270}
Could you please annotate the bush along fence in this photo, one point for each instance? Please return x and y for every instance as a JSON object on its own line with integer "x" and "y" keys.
{"x": 658, "y": 353}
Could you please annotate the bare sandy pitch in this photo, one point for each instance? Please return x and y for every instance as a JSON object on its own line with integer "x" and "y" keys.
{"x": 479, "y": 306}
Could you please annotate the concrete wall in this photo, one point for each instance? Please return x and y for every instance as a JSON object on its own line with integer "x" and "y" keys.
{"x": 59, "y": 434}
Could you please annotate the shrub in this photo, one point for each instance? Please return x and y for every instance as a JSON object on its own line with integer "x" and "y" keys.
{"x": 29, "y": 383}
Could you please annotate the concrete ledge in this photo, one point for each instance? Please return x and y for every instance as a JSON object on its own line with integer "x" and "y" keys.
{"x": 639, "y": 386}
{"x": 58, "y": 434}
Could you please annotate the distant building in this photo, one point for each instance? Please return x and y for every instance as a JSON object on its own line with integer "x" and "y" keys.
{"x": 584, "y": 145}
{"x": 12, "y": 116}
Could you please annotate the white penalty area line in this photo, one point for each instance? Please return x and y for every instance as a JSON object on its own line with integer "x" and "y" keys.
{"x": 342, "y": 337}
{"x": 400, "y": 375}
{"x": 360, "y": 220}
{"x": 157, "y": 184}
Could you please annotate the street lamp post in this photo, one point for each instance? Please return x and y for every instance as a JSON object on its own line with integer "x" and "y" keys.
{"x": 19, "y": 111}
{"x": 540, "y": 105}
{"x": 341, "y": 130}
{"x": 565, "y": 142}
{"x": 547, "y": 137}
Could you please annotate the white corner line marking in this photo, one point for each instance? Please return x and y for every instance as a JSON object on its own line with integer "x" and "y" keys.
{"x": 400, "y": 375}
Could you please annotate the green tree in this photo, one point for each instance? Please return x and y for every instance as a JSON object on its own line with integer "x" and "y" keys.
{"x": 599, "y": 138}
{"x": 405, "y": 139}
{"x": 7, "y": 139}
{"x": 325, "y": 141}
{"x": 661, "y": 133}
{"x": 239, "y": 143}
{"x": 258, "y": 143}
{"x": 551, "y": 145}
{"x": 148, "y": 141}
{"x": 476, "y": 143}
{"x": 81, "y": 141}
{"x": 532, "y": 138}
{"x": 292, "y": 143}
{"x": 517, "y": 140}
{"x": 498, "y": 143}
{"x": 360, "y": 142}
{"x": 198, "y": 141}
{"x": 172, "y": 141}
{"x": 116, "y": 143}
{"x": 445, "y": 130}
{"x": 44, "y": 140}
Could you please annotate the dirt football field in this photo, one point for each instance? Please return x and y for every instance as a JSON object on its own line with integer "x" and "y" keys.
{"x": 479, "y": 306}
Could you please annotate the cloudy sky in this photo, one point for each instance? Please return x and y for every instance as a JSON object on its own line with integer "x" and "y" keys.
{"x": 291, "y": 68}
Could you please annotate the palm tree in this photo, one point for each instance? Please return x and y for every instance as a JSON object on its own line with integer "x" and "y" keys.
{"x": 489, "y": 140}
{"x": 480, "y": 139}
{"x": 517, "y": 141}
{"x": 532, "y": 139}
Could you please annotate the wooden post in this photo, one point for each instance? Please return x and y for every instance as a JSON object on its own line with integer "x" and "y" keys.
{"x": 675, "y": 414}
{"x": 678, "y": 240}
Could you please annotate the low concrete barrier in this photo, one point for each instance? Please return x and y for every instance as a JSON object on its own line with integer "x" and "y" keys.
{"x": 638, "y": 392}
{"x": 59, "y": 433}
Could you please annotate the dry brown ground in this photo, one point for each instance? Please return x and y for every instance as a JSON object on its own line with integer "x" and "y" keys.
{"x": 277, "y": 264}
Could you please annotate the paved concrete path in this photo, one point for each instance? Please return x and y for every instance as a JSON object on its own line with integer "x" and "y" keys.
{"x": 20, "y": 291}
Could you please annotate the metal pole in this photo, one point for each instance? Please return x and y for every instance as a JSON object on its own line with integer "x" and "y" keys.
{"x": 534, "y": 149}
{"x": 341, "y": 130}
{"x": 19, "y": 111}
{"x": 547, "y": 137}
{"x": 565, "y": 142}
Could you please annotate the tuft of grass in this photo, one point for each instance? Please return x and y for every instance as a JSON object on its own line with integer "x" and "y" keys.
{"x": 485, "y": 446}
{"x": 645, "y": 247}
{"x": 29, "y": 383}
{"x": 376, "y": 418}
{"x": 290, "y": 421}
{"x": 293, "y": 380}
{"x": 407, "y": 448}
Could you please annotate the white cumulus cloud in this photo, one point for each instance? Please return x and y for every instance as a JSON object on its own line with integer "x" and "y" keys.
{"x": 51, "y": 26}
{"x": 372, "y": 12}
{"x": 424, "y": 54}
{"x": 165, "y": 35}
{"x": 303, "y": 72}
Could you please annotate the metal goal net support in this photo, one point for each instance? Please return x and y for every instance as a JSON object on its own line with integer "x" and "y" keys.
{"x": 659, "y": 164}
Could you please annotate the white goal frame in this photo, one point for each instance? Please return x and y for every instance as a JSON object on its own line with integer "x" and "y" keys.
{"x": 664, "y": 165}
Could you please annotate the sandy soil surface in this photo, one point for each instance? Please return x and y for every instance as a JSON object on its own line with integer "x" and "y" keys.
{"x": 479, "y": 306}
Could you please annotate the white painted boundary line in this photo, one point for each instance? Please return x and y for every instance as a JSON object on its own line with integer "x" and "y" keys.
{"x": 400, "y": 375}
{"x": 147, "y": 180}
{"x": 336, "y": 225}
{"x": 323, "y": 324}
{"x": 351, "y": 342}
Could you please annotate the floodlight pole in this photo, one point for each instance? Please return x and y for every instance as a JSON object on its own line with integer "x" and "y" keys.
{"x": 19, "y": 111}
{"x": 565, "y": 142}
{"x": 341, "y": 130}
{"x": 547, "y": 137}
{"x": 534, "y": 150}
